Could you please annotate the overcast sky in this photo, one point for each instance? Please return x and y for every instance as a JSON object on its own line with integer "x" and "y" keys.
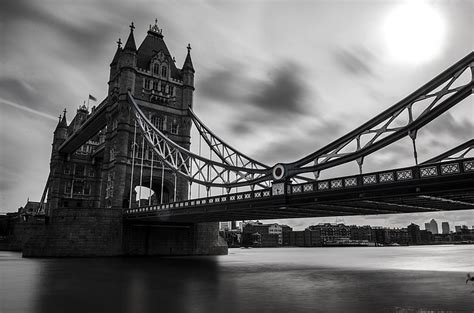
{"x": 276, "y": 79}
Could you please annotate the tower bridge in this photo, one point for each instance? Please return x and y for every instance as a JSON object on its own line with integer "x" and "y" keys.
{"x": 140, "y": 136}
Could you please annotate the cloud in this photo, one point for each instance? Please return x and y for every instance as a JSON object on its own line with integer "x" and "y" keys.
{"x": 356, "y": 61}
{"x": 225, "y": 84}
{"x": 30, "y": 110}
{"x": 283, "y": 93}
{"x": 313, "y": 134}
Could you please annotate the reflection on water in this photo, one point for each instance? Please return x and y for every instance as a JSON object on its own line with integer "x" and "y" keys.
{"x": 395, "y": 279}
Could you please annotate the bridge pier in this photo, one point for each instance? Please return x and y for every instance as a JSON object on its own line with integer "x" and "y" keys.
{"x": 172, "y": 239}
{"x": 86, "y": 232}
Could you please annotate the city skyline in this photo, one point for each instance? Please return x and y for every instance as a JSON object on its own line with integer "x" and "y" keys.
{"x": 276, "y": 89}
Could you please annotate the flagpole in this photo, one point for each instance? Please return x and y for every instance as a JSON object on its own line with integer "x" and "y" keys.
{"x": 88, "y": 98}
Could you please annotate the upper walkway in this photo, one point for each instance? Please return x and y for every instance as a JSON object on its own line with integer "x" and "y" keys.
{"x": 423, "y": 188}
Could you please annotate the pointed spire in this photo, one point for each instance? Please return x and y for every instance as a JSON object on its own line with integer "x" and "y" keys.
{"x": 117, "y": 53}
{"x": 130, "y": 44}
{"x": 62, "y": 121}
{"x": 188, "y": 64}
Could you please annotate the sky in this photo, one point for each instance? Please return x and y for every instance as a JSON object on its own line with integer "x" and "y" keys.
{"x": 275, "y": 79}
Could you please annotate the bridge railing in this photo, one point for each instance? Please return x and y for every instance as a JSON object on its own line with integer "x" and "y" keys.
{"x": 365, "y": 180}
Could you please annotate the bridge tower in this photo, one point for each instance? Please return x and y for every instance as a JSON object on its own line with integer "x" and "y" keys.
{"x": 164, "y": 93}
{"x": 100, "y": 157}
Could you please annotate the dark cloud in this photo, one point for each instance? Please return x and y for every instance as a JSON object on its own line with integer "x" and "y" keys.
{"x": 17, "y": 90}
{"x": 310, "y": 138}
{"x": 446, "y": 125}
{"x": 356, "y": 61}
{"x": 81, "y": 40}
{"x": 257, "y": 103}
{"x": 241, "y": 128}
{"x": 223, "y": 84}
{"x": 283, "y": 93}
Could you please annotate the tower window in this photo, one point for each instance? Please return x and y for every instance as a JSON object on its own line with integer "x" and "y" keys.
{"x": 174, "y": 128}
{"x": 87, "y": 189}
{"x": 163, "y": 71}
{"x": 157, "y": 121}
{"x": 67, "y": 188}
{"x": 146, "y": 84}
{"x": 79, "y": 170}
{"x": 78, "y": 188}
{"x": 156, "y": 69}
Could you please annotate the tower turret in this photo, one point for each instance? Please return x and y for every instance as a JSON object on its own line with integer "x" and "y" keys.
{"x": 188, "y": 80}
{"x": 60, "y": 133}
{"x": 127, "y": 63}
{"x": 114, "y": 63}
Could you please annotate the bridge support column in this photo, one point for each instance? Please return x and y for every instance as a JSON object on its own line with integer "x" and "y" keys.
{"x": 173, "y": 239}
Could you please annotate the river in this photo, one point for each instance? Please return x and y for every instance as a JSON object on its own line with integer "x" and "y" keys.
{"x": 369, "y": 279}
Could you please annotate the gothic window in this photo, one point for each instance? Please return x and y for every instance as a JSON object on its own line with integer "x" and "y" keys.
{"x": 78, "y": 187}
{"x": 156, "y": 69}
{"x": 156, "y": 85}
{"x": 163, "y": 88}
{"x": 87, "y": 189}
{"x": 91, "y": 172}
{"x": 172, "y": 90}
{"x": 79, "y": 170}
{"x": 157, "y": 121}
{"x": 112, "y": 154}
{"x": 67, "y": 170}
{"x": 146, "y": 83}
{"x": 174, "y": 128}
{"x": 163, "y": 71}
{"x": 67, "y": 188}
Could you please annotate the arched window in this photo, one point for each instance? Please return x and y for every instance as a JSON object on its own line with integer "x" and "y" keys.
{"x": 156, "y": 69}
{"x": 146, "y": 83}
{"x": 157, "y": 121}
{"x": 174, "y": 128}
{"x": 163, "y": 71}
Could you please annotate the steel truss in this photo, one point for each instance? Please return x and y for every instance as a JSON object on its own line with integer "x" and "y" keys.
{"x": 403, "y": 119}
{"x": 227, "y": 154}
{"x": 195, "y": 168}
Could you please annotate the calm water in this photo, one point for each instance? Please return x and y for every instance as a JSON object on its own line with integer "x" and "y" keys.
{"x": 389, "y": 279}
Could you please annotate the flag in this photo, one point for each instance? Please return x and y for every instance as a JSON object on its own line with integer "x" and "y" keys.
{"x": 91, "y": 97}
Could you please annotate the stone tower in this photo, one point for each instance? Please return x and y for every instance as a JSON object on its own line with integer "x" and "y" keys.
{"x": 164, "y": 93}
{"x": 90, "y": 186}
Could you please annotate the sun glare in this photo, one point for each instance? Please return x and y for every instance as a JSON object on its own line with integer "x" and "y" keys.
{"x": 414, "y": 32}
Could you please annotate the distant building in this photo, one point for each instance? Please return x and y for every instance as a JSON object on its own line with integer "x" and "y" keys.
{"x": 225, "y": 226}
{"x": 434, "y": 227}
{"x": 445, "y": 228}
{"x": 276, "y": 230}
{"x": 414, "y": 234}
{"x": 263, "y": 235}
{"x": 427, "y": 227}
{"x": 457, "y": 229}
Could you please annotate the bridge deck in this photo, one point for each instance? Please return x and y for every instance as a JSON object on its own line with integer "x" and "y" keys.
{"x": 423, "y": 188}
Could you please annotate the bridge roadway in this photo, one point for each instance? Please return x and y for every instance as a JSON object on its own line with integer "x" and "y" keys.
{"x": 422, "y": 188}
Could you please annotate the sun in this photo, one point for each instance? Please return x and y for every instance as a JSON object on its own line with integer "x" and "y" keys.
{"x": 414, "y": 32}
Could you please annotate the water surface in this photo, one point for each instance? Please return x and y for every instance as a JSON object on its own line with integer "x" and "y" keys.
{"x": 372, "y": 279}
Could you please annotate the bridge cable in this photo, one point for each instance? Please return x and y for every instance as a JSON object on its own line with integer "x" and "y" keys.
{"x": 151, "y": 178}
{"x": 141, "y": 171}
{"x": 162, "y": 181}
{"x": 133, "y": 164}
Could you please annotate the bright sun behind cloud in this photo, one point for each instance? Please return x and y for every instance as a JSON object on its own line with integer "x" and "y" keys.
{"x": 414, "y": 32}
